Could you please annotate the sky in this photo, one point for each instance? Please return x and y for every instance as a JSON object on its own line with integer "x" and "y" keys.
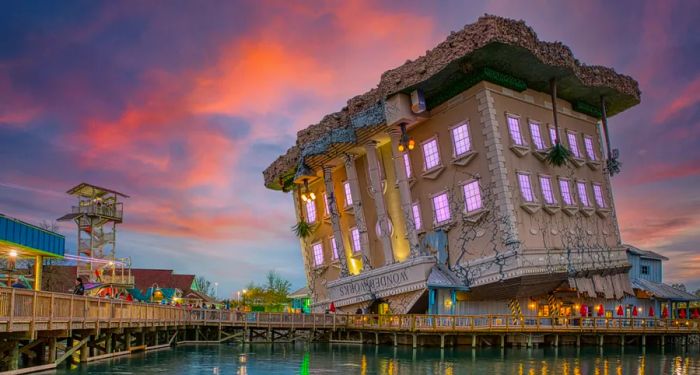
{"x": 182, "y": 105}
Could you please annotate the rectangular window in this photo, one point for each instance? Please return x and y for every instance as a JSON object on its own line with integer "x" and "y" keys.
{"x": 460, "y": 139}
{"x": 472, "y": 196}
{"x": 583, "y": 194}
{"x": 348, "y": 193}
{"x": 526, "y": 187}
{"x": 566, "y": 192}
{"x": 514, "y": 128}
{"x": 598, "y": 195}
{"x": 326, "y": 207}
{"x": 537, "y": 136}
{"x": 318, "y": 253}
{"x": 431, "y": 154}
{"x": 334, "y": 247}
{"x": 547, "y": 192}
{"x": 573, "y": 145}
{"x": 644, "y": 270}
{"x": 553, "y": 135}
{"x": 311, "y": 211}
{"x": 407, "y": 165}
{"x": 441, "y": 208}
{"x": 417, "y": 222}
{"x": 590, "y": 151}
{"x": 355, "y": 240}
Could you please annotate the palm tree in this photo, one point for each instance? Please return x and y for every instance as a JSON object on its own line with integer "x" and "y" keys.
{"x": 302, "y": 228}
{"x": 558, "y": 155}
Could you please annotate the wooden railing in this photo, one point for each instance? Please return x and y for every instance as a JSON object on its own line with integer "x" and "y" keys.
{"x": 27, "y": 310}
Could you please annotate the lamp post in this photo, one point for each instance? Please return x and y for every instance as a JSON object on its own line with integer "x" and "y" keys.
{"x": 216, "y": 290}
{"x": 243, "y": 301}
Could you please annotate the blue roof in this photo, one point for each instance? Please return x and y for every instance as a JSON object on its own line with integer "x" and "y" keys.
{"x": 29, "y": 238}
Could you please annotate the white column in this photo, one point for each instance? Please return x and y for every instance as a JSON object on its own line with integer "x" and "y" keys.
{"x": 404, "y": 194}
{"x": 377, "y": 192}
{"x": 335, "y": 220}
{"x": 360, "y": 222}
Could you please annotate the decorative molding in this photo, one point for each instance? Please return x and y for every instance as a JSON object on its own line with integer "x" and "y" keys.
{"x": 551, "y": 208}
{"x": 530, "y": 207}
{"x": 474, "y": 217}
{"x": 603, "y": 212}
{"x": 578, "y": 162}
{"x": 464, "y": 159}
{"x": 587, "y": 211}
{"x": 433, "y": 173}
{"x": 593, "y": 164}
{"x": 570, "y": 210}
{"x": 520, "y": 150}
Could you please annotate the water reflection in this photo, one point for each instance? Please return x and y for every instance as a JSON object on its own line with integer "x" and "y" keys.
{"x": 354, "y": 359}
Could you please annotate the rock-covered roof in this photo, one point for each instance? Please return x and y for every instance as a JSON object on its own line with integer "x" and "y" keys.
{"x": 508, "y": 46}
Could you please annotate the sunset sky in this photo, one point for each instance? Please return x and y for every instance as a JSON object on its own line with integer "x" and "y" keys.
{"x": 182, "y": 104}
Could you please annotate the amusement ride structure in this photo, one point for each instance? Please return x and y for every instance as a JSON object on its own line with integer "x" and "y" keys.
{"x": 97, "y": 214}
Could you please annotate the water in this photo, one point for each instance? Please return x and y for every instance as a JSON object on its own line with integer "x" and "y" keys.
{"x": 355, "y": 359}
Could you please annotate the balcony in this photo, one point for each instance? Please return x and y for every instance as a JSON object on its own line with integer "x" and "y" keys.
{"x": 111, "y": 211}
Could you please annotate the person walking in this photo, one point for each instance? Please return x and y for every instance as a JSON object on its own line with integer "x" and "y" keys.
{"x": 79, "y": 289}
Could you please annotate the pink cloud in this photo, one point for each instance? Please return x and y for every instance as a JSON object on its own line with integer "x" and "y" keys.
{"x": 688, "y": 96}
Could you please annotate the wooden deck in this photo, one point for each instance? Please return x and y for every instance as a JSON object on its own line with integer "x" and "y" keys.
{"x": 35, "y": 325}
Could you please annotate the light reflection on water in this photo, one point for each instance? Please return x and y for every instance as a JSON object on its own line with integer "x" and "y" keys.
{"x": 382, "y": 360}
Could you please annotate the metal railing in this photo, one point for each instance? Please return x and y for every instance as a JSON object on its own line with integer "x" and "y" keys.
{"x": 28, "y": 310}
{"x": 107, "y": 210}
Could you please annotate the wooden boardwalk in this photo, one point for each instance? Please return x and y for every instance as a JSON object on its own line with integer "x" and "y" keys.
{"x": 40, "y": 330}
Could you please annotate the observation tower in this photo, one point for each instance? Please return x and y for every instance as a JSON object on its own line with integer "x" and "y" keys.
{"x": 97, "y": 214}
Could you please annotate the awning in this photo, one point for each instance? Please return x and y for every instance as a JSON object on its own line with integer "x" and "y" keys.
{"x": 442, "y": 278}
{"x": 611, "y": 286}
{"x": 663, "y": 291}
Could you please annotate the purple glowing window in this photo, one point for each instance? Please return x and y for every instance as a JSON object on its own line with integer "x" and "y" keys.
{"x": 348, "y": 193}
{"x": 566, "y": 192}
{"x": 553, "y": 136}
{"x": 311, "y": 211}
{"x": 460, "y": 140}
{"x": 583, "y": 194}
{"x": 334, "y": 247}
{"x": 573, "y": 145}
{"x": 590, "y": 151}
{"x": 547, "y": 192}
{"x": 537, "y": 136}
{"x": 598, "y": 194}
{"x": 431, "y": 155}
{"x": 514, "y": 128}
{"x": 472, "y": 196}
{"x": 318, "y": 253}
{"x": 355, "y": 239}
{"x": 525, "y": 187}
{"x": 417, "y": 222}
{"x": 441, "y": 208}
{"x": 407, "y": 165}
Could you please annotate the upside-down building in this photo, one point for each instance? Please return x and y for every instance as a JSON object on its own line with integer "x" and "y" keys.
{"x": 436, "y": 191}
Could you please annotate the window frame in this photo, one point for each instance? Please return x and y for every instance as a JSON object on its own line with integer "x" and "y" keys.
{"x": 347, "y": 192}
{"x": 561, "y": 192}
{"x": 590, "y": 154}
{"x": 553, "y": 135}
{"x": 520, "y": 130}
{"x": 417, "y": 216}
{"x": 307, "y": 204}
{"x": 437, "y": 148}
{"x": 549, "y": 179}
{"x": 466, "y": 199}
{"x": 598, "y": 185}
{"x": 575, "y": 150}
{"x": 643, "y": 268}
{"x": 315, "y": 255}
{"x": 527, "y": 175}
{"x": 354, "y": 244}
{"x": 469, "y": 141}
{"x": 584, "y": 184}
{"x": 437, "y": 223}
{"x": 538, "y": 126}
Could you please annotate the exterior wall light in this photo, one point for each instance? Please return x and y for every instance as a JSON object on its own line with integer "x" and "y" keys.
{"x": 307, "y": 195}
{"x": 405, "y": 142}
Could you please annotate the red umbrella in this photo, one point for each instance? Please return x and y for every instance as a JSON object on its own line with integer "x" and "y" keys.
{"x": 332, "y": 307}
{"x": 601, "y": 311}
{"x": 634, "y": 311}
{"x": 682, "y": 314}
{"x": 696, "y": 314}
{"x": 620, "y": 312}
{"x": 584, "y": 310}
{"x": 651, "y": 311}
{"x": 664, "y": 312}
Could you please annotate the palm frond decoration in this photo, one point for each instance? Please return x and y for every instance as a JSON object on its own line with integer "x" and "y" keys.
{"x": 302, "y": 229}
{"x": 558, "y": 155}
{"x": 613, "y": 164}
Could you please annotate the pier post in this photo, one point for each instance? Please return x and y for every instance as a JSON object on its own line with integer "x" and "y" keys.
{"x": 442, "y": 341}
{"x": 578, "y": 341}
{"x": 13, "y": 361}
{"x": 601, "y": 340}
{"x": 556, "y": 340}
{"x": 622, "y": 341}
{"x": 108, "y": 343}
{"x": 503, "y": 341}
{"x": 473, "y": 341}
{"x": 644, "y": 341}
{"x": 84, "y": 353}
{"x": 361, "y": 338}
{"x": 415, "y": 341}
{"x": 663, "y": 340}
{"x": 529, "y": 340}
{"x": 376, "y": 338}
{"x": 52, "y": 349}
{"x": 396, "y": 340}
